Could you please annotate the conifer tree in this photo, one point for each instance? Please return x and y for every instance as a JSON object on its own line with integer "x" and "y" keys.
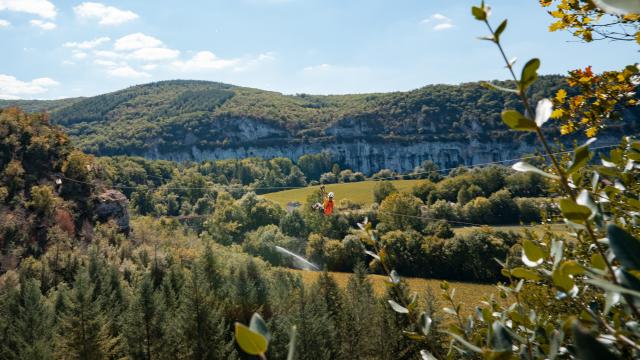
{"x": 27, "y": 321}
{"x": 201, "y": 325}
{"x": 143, "y": 324}
{"x": 83, "y": 331}
{"x": 316, "y": 337}
{"x": 359, "y": 317}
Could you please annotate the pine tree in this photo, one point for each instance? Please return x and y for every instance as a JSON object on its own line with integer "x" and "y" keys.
{"x": 83, "y": 331}
{"x": 358, "y": 318}
{"x": 200, "y": 323}
{"x": 316, "y": 337}
{"x": 143, "y": 324}
{"x": 27, "y": 320}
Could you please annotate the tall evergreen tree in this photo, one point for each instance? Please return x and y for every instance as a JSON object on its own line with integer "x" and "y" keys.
{"x": 200, "y": 323}
{"x": 27, "y": 321}
{"x": 359, "y": 317}
{"x": 83, "y": 331}
{"x": 143, "y": 324}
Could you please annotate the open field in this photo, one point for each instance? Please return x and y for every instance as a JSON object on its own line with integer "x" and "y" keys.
{"x": 468, "y": 293}
{"x": 358, "y": 192}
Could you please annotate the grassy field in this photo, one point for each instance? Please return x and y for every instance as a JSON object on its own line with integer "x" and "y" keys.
{"x": 358, "y": 192}
{"x": 468, "y": 293}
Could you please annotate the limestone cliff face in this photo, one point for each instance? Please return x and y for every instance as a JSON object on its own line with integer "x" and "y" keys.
{"x": 364, "y": 156}
{"x": 351, "y": 142}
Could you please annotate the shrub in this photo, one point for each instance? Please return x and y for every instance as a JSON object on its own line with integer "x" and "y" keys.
{"x": 530, "y": 210}
{"x": 401, "y": 211}
{"x": 383, "y": 189}
{"x": 328, "y": 178}
{"x": 423, "y": 189}
{"x": 262, "y": 242}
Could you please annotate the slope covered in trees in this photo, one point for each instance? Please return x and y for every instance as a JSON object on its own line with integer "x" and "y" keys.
{"x": 175, "y": 115}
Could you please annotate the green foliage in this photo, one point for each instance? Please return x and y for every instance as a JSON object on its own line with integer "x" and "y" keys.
{"x": 382, "y": 190}
{"x": 163, "y": 114}
{"x": 400, "y": 211}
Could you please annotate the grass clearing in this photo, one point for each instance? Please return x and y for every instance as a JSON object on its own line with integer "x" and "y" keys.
{"x": 469, "y": 294}
{"x": 358, "y": 192}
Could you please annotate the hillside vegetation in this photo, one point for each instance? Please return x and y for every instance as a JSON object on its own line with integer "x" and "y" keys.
{"x": 175, "y": 115}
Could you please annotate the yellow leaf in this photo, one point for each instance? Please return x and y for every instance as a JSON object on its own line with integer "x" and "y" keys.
{"x": 557, "y": 113}
{"x": 250, "y": 341}
{"x": 561, "y": 95}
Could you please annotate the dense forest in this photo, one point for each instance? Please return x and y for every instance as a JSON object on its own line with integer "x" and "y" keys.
{"x": 175, "y": 115}
{"x": 78, "y": 281}
{"x": 119, "y": 257}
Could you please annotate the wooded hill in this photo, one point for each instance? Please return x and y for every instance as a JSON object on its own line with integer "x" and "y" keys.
{"x": 172, "y": 115}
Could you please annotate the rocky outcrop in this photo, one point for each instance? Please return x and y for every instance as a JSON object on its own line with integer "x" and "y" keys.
{"x": 113, "y": 205}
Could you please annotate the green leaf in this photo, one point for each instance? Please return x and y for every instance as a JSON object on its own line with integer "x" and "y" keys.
{"x": 500, "y": 339}
{"x": 581, "y": 156}
{"x": 522, "y": 166}
{"x": 574, "y": 212}
{"x": 491, "y": 86}
{"x": 258, "y": 325}
{"x": 588, "y": 347}
{"x": 479, "y": 13}
{"x": 500, "y": 29}
{"x": 529, "y": 73}
{"x": 571, "y": 267}
{"x": 427, "y": 355}
{"x": 523, "y": 273}
{"x": 398, "y": 308}
{"x": 250, "y": 341}
{"x": 517, "y": 121}
{"x": 597, "y": 261}
{"x": 562, "y": 280}
{"x": 625, "y": 247}
{"x": 609, "y": 286}
{"x": 532, "y": 254}
{"x": 464, "y": 342}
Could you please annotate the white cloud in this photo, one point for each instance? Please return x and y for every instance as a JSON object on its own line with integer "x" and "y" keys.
{"x": 149, "y": 67}
{"x": 320, "y": 67}
{"x": 154, "y": 54}
{"x": 107, "y": 15}
{"x": 44, "y": 25}
{"x": 12, "y": 88}
{"x": 440, "y": 17}
{"x": 107, "y": 54}
{"x": 45, "y": 81}
{"x": 89, "y": 44}
{"x": 250, "y": 63}
{"x": 127, "y": 71}
{"x": 42, "y": 8}
{"x": 440, "y": 22}
{"x": 443, "y": 26}
{"x": 137, "y": 41}
{"x": 4, "y": 23}
{"x": 107, "y": 63}
{"x": 205, "y": 60}
{"x": 79, "y": 55}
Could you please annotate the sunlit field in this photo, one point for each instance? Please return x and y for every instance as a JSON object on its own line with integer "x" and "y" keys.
{"x": 358, "y": 192}
{"x": 468, "y": 293}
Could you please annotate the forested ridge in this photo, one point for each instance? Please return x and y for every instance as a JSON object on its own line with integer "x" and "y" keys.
{"x": 175, "y": 115}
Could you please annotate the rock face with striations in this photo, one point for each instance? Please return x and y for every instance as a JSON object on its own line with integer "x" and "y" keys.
{"x": 113, "y": 205}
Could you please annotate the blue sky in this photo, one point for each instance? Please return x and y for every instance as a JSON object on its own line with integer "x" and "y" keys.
{"x": 63, "y": 48}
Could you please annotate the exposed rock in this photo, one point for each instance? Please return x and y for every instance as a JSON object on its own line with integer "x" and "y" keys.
{"x": 113, "y": 205}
